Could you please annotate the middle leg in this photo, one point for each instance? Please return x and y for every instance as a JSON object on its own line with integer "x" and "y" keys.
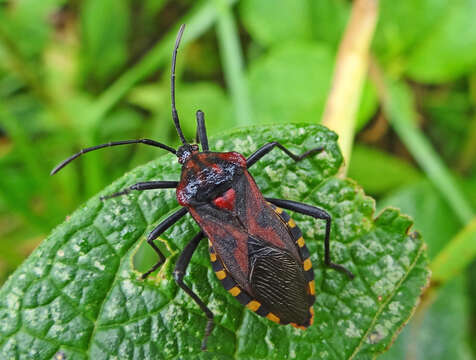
{"x": 262, "y": 151}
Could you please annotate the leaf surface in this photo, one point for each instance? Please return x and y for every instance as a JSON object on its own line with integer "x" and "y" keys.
{"x": 291, "y": 82}
{"x": 434, "y": 60}
{"x": 439, "y": 330}
{"x": 79, "y": 292}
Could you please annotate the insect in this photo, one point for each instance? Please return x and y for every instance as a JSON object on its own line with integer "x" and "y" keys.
{"x": 257, "y": 251}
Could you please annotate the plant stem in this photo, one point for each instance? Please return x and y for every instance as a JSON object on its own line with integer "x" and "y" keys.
{"x": 349, "y": 75}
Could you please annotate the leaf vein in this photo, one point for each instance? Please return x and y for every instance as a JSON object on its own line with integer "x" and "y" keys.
{"x": 387, "y": 301}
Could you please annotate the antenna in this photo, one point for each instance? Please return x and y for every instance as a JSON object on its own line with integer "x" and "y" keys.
{"x": 115, "y": 143}
{"x": 172, "y": 85}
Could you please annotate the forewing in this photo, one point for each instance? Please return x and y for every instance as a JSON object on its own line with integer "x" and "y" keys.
{"x": 279, "y": 282}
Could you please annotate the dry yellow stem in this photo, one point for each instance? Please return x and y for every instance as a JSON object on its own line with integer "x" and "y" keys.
{"x": 349, "y": 75}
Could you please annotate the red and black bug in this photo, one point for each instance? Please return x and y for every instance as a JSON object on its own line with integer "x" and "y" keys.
{"x": 256, "y": 249}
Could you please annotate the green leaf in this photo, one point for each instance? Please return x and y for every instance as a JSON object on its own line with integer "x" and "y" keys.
{"x": 433, "y": 216}
{"x": 264, "y": 20}
{"x": 79, "y": 291}
{"x": 329, "y": 19}
{"x": 439, "y": 330}
{"x": 449, "y": 51}
{"x": 323, "y": 20}
{"x": 403, "y": 24}
{"x": 367, "y": 164}
{"x": 432, "y": 41}
{"x": 291, "y": 82}
{"x": 457, "y": 255}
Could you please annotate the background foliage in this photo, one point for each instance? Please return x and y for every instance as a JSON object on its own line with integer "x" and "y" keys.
{"x": 77, "y": 73}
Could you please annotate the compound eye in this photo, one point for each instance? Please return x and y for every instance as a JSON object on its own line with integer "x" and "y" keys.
{"x": 226, "y": 201}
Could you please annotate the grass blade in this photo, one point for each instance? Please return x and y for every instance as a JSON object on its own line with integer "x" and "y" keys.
{"x": 232, "y": 59}
{"x": 349, "y": 75}
{"x": 199, "y": 20}
{"x": 398, "y": 104}
{"x": 460, "y": 251}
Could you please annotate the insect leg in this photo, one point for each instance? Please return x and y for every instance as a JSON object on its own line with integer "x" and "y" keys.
{"x": 318, "y": 214}
{"x": 164, "y": 225}
{"x": 149, "y": 185}
{"x": 179, "y": 273}
{"x": 262, "y": 151}
{"x": 202, "y": 131}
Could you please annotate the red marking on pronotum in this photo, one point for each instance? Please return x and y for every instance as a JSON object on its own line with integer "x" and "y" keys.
{"x": 233, "y": 157}
{"x": 227, "y": 201}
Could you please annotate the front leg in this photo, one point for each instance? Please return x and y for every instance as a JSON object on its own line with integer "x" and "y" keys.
{"x": 262, "y": 151}
{"x": 316, "y": 213}
{"x": 164, "y": 225}
{"x": 179, "y": 273}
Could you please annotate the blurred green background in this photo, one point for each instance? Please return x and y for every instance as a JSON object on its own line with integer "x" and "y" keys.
{"x": 79, "y": 73}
